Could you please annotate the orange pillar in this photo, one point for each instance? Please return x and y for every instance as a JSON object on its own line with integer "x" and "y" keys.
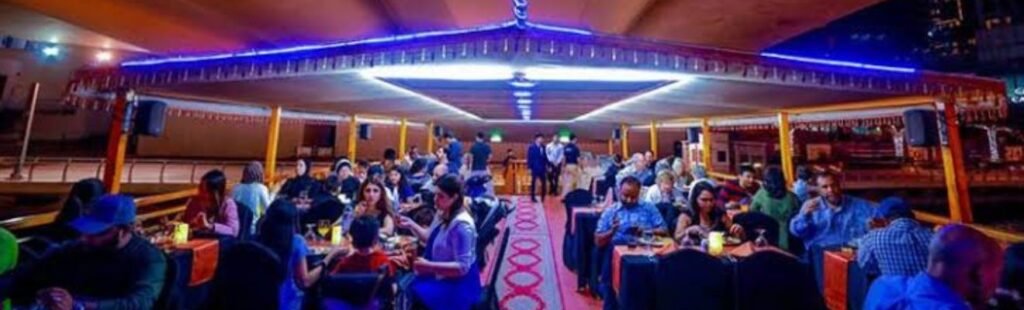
{"x": 273, "y": 137}
{"x": 117, "y": 143}
{"x": 953, "y": 166}
{"x": 430, "y": 138}
{"x": 654, "y": 138}
{"x": 705, "y": 143}
{"x": 624, "y": 130}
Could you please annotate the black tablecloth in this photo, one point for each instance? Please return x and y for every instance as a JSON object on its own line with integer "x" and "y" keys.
{"x": 636, "y": 282}
{"x": 586, "y": 271}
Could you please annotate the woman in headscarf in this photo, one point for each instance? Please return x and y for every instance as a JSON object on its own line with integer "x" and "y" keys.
{"x": 343, "y": 181}
{"x": 774, "y": 200}
{"x": 303, "y": 184}
{"x": 83, "y": 193}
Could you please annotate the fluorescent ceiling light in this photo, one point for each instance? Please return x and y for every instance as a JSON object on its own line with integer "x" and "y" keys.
{"x": 425, "y": 98}
{"x": 522, "y": 94}
{"x": 667, "y": 88}
{"x": 51, "y": 51}
{"x": 524, "y": 101}
{"x": 549, "y": 73}
{"x": 535, "y": 121}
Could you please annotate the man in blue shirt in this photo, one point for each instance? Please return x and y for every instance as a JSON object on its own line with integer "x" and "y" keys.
{"x": 627, "y": 217}
{"x": 537, "y": 161}
{"x": 454, "y": 153}
{"x": 572, "y": 171}
{"x": 962, "y": 273}
{"x": 480, "y": 155}
{"x": 899, "y": 249}
{"x": 833, "y": 218}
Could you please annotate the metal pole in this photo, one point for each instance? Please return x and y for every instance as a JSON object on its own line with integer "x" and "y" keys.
{"x": 33, "y": 98}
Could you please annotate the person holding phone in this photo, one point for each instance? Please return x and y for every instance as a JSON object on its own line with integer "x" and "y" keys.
{"x": 628, "y": 213}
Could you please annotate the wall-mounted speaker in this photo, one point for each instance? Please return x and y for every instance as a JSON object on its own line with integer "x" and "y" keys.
{"x": 364, "y": 131}
{"x": 438, "y": 131}
{"x": 693, "y": 134}
{"x": 922, "y": 129}
{"x": 150, "y": 118}
{"x": 617, "y": 134}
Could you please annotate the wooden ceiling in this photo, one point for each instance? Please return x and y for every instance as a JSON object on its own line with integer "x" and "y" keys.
{"x": 203, "y": 26}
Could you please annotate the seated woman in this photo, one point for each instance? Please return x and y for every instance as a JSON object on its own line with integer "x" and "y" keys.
{"x": 303, "y": 185}
{"x": 704, "y": 215}
{"x": 398, "y": 190}
{"x": 664, "y": 190}
{"x": 251, "y": 192}
{"x": 211, "y": 210}
{"x": 83, "y": 194}
{"x": 367, "y": 257}
{"x": 446, "y": 276}
{"x": 343, "y": 181}
{"x": 371, "y": 201}
{"x": 279, "y": 233}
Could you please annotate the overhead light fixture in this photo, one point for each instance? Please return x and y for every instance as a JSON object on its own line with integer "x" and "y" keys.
{"x": 427, "y": 99}
{"x": 667, "y": 88}
{"x": 51, "y": 51}
{"x": 481, "y": 72}
{"x": 522, "y": 94}
{"x": 104, "y": 56}
{"x": 520, "y": 77}
{"x": 54, "y": 40}
{"x": 524, "y": 101}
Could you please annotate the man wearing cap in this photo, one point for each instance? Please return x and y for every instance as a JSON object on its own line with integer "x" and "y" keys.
{"x": 899, "y": 249}
{"x": 109, "y": 267}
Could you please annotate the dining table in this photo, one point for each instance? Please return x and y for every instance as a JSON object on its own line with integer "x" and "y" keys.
{"x": 845, "y": 283}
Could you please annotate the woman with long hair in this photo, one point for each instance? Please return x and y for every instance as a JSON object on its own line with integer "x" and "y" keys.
{"x": 397, "y": 188}
{"x": 777, "y": 202}
{"x": 303, "y": 184}
{"x": 704, "y": 214}
{"x": 446, "y": 274}
{"x": 211, "y": 209}
{"x": 372, "y": 200}
{"x": 251, "y": 192}
{"x": 279, "y": 232}
{"x": 82, "y": 194}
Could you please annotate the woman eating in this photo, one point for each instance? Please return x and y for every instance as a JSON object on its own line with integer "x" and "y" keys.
{"x": 372, "y": 201}
{"x": 211, "y": 209}
{"x": 704, "y": 215}
{"x": 446, "y": 276}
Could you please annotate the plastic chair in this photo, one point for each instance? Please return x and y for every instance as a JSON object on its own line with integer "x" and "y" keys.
{"x": 355, "y": 290}
{"x": 773, "y": 280}
{"x": 691, "y": 279}
{"x": 249, "y": 276}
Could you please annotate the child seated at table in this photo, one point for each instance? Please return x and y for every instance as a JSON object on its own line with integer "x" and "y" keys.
{"x": 367, "y": 257}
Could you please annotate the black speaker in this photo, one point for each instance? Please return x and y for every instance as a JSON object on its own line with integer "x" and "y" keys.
{"x": 149, "y": 118}
{"x": 693, "y": 134}
{"x": 364, "y": 131}
{"x": 438, "y": 131}
{"x": 617, "y": 134}
{"x": 921, "y": 127}
{"x": 1016, "y": 118}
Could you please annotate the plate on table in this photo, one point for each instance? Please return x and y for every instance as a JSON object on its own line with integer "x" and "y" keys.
{"x": 733, "y": 241}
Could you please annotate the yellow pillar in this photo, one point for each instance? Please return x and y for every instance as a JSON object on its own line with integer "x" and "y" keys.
{"x": 953, "y": 167}
{"x": 117, "y": 144}
{"x": 611, "y": 147}
{"x": 273, "y": 137}
{"x": 654, "y": 138}
{"x": 353, "y": 133}
{"x": 786, "y": 147}
{"x": 624, "y": 130}
{"x": 705, "y": 143}
{"x": 430, "y": 138}
{"x": 403, "y": 129}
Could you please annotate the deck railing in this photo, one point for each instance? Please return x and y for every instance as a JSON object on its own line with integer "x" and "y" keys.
{"x": 139, "y": 170}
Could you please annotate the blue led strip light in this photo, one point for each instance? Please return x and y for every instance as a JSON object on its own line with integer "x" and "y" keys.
{"x": 839, "y": 63}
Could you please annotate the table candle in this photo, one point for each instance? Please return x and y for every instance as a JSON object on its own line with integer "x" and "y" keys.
{"x": 716, "y": 240}
{"x": 336, "y": 235}
{"x": 180, "y": 235}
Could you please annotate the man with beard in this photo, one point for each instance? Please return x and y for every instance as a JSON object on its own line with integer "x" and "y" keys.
{"x": 833, "y": 218}
{"x": 109, "y": 267}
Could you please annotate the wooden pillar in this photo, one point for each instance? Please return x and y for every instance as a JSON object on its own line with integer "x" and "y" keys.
{"x": 403, "y": 133}
{"x": 624, "y": 129}
{"x": 786, "y": 148}
{"x": 430, "y": 138}
{"x": 705, "y": 143}
{"x": 953, "y": 165}
{"x": 654, "y": 138}
{"x": 273, "y": 137}
{"x": 353, "y": 134}
{"x": 117, "y": 142}
{"x": 611, "y": 146}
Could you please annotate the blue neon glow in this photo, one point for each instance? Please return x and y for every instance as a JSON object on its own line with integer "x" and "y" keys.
{"x": 520, "y": 76}
{"x": 840, "y": 63}
{"x": 560, "y": 29}
{"x": 522, "y": 94}
{"x": 524, "y": 101}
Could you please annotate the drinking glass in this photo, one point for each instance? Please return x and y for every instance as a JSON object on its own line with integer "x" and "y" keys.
{"x": 323, "y": 227}
{"x": 761, "y": 241}
{"x": 310, "y": 232}
{"x": 648, "y": 239}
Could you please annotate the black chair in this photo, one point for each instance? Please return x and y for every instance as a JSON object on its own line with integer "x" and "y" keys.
{"x": 325, "y": 207}
{"x": 489, "y": 300}
{"x": 356, "y": 289}
{"x": 245, "y": 218}
{"x": 170, "y": 295}
{"x": 773, "y": 280}
{"x": 752, "y": 221}
{"x": 487, "y": 231}
{"x": 669, "y": 213}
{"x": 691, "y": 279}
{"x": 248, "y": 276}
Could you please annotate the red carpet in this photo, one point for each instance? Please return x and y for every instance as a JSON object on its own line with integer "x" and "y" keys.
{"x": 567, "y": 279}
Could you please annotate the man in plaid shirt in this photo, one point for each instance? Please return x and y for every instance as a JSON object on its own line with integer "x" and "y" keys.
{"x": 899, "y": 249}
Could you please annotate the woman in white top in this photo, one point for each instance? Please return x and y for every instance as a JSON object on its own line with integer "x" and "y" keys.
{"x": 251, "y": 192}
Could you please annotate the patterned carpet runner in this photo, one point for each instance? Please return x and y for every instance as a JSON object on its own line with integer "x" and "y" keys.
{"x": 528, "y": 277}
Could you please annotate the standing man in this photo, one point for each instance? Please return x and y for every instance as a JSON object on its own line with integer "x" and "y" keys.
{"x": 556, "y": 157}
{"x": 454, "y": 153}
{"x": 572, "y": 166}
{"x": 480, "y": 155}
{"x": 538, "y": 163}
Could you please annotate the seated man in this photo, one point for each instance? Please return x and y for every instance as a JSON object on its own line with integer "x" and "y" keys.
{"x": 367, "y": 257}
{"x": 899, "y": 249}
{"x": 741, "y": 190}
{"x": 962, "y": 273}
{"x": 628, "y": 217}
{"x": 832, "y": 219}
{"x": 109, "y": 267}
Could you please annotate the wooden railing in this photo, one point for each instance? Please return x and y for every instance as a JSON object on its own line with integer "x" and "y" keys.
{"x": 70, "y": 169}
{"x": 42, "y": 219}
